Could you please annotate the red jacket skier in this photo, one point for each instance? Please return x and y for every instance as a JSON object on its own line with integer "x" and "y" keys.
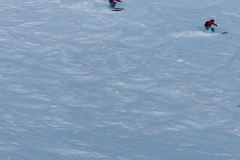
{"x": 209, "y": 24}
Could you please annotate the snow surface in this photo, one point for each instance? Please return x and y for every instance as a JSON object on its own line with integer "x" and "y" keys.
{"x": 80, "y": 82}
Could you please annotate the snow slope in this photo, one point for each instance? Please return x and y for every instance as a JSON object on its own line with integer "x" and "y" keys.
{"x": 79, "y": 81}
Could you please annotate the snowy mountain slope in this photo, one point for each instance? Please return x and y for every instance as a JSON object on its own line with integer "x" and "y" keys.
{"x": 81, "y": 82}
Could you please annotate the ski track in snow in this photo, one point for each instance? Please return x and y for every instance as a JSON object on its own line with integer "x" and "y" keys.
{"x": 79, "y": 81}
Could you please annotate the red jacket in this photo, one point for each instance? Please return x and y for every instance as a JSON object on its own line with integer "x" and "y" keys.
{"x": 210, "y": 23}
{"x": 114, "y": 0}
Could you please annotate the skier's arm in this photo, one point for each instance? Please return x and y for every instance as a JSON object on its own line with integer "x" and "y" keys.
{"x": 118, "y": 0}
{"x": 214, "y": 24}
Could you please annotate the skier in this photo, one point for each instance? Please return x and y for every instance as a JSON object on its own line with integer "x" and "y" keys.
{"x": 113, "y": 3}
{"x": 209, "y": 24}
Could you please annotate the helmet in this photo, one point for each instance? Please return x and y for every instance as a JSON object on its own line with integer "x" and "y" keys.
{"x": 212, "y": 20}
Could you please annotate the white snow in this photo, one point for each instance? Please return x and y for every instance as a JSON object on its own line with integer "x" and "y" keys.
{"x": 80, "y": 82}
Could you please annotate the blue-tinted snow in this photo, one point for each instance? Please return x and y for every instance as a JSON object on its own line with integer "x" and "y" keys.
{"x": 80, "y": 82}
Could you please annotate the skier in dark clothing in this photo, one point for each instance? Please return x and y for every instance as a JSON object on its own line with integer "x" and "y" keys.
{"x": 209, "y": 24}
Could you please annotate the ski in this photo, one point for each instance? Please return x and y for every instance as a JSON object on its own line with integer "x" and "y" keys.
{"x": 120, "y": 8}
{"x": 213, "y": 32}
{"x": 114, "y": 9}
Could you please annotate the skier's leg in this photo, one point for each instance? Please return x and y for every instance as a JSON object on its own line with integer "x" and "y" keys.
{"x": 112, "y": 4}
